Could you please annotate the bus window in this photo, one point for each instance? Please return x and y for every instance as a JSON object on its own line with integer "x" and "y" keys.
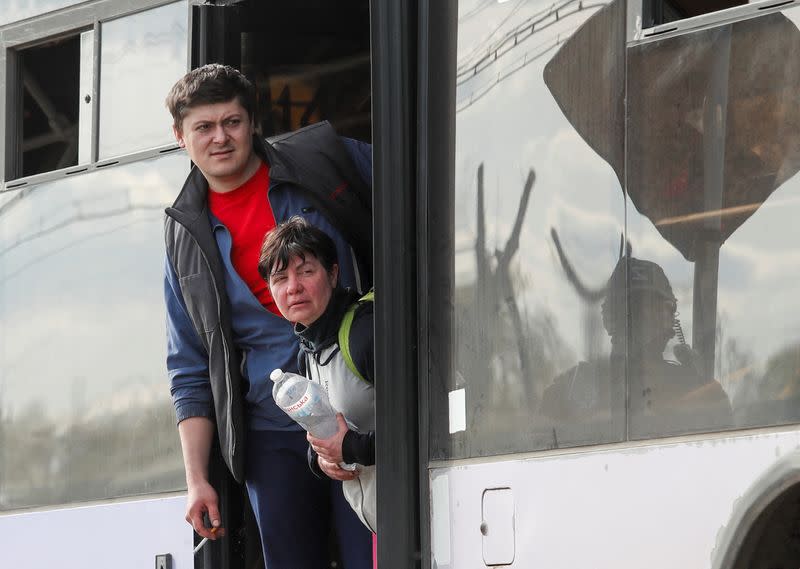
{"x": 49, "y": 76}
{"x": 656, "y": 12}
{"x": 85, "y": 413}
{"x": 132, "y": 118}
{"x": 713, "y": 193}
{"x": 15, "y": 10}
{"x": 78, "y": 98}
{"x": 539, "y": 217}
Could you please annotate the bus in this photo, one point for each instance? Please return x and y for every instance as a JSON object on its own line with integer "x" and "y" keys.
{"x": 609, "y": 355}
{"x": 91, "y": 471}
{"x": 584, "y": 325}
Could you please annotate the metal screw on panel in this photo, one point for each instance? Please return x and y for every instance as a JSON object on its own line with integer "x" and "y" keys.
{"x": 484, "y": 528}
{"x": 88, "y": 98}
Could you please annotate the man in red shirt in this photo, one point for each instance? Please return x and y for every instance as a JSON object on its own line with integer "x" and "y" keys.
{"x": 224, "y": 332}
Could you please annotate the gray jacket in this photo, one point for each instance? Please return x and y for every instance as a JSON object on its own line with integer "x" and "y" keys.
{"x": 313, "y": 160}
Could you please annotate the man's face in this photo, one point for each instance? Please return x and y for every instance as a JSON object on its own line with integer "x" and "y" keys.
{"x": 219, "y": 140}
{"x": 303, "y": 289}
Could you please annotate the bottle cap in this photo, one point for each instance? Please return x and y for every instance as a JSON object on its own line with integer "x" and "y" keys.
{"x": 276, "y": 374}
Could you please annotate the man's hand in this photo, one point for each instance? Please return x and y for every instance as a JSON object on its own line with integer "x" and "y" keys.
{"x": 202, "y": 499}
{"x": 333, "y": 470}
{"x": 196, "y": 436}
{"x": 330, "y": 449}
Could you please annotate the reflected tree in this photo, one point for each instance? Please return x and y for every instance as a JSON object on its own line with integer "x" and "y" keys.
{"x": 494, "y": 279}
{"x": 505, "y": 353}
{"x": 121, "y": 452}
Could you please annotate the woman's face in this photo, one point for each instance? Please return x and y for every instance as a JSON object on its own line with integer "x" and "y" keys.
{"x": 303, "y": 289}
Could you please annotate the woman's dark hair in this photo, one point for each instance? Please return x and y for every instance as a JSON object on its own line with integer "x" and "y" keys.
{"x": 295, "y": 237}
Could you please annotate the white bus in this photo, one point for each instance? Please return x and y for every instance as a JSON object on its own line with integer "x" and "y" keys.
{"x": 610, "y": 348}
{"x": 585, "y": 259}
{"x": 91, "y": 473}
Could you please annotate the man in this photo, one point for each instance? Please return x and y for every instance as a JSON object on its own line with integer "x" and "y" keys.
{"x": 640, "y": 316}
{"x": 225, "y": 334}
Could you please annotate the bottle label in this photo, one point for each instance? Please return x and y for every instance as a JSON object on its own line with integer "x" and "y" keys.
{"x": 299, "y": 405}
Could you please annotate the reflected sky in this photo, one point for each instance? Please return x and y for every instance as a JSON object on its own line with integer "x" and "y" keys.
{"x": 151, "y": 44}
{"x": 516, "y": 127}
{"x": 508, "y": 121}
{"x": 759, "y": 263}
{"x": 80, "y": 273}
{"x": 85, "y": 411}
{"x": 14, "y": 10}
{"x": 522, "y": 325}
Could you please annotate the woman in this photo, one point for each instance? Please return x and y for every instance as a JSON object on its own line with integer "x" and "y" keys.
{"x": 335, "y": 329}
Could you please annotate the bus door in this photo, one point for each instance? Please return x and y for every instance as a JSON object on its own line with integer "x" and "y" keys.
{"x": 309, "y": 61}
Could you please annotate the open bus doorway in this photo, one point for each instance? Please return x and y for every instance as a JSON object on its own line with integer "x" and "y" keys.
{"x": 310, "y": 62}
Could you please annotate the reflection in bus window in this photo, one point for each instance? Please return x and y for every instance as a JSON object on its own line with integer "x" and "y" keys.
{"x": 523, "y": 174}
{"x": 714, "y": 132}
{"x": 84, "y": 414}
{"x": 663, "y": 387}
{"x": 150, "y": 44}
{"x": 585, "y": 314}
{"x": 15, "y": 10}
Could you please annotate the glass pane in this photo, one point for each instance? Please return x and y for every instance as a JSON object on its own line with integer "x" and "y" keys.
{"x": 85, "y": 410}
{"x": 714, "y": 148}
{"x": 152, "y": 45}
{"x": 15, "y": 10}
{"x": 50, "y": 108}
{"x": 539, "y": 215}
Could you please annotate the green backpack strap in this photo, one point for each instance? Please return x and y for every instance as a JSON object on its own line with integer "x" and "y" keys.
{"x": 344, "y": 333}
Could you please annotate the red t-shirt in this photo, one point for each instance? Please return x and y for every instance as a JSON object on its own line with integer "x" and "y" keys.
{"x": 248, "y": 216}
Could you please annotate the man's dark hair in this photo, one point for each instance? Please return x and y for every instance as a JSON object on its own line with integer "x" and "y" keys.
{"x": 210, "y": 84}
{"x": 295, "y": 237}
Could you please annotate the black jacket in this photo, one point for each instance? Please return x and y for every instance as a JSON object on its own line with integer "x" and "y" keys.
{"x": 314, "y": 160}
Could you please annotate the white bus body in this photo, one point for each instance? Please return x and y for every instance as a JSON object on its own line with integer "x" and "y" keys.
{"x": 121, "y": 535}
{"x": 605, "y": 156}
{"x": 659, "y": 504}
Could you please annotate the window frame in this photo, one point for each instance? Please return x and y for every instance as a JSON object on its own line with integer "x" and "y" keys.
{"x": 638, "y": 34}
{"x": 439, "y": 235}
{"x": 70, "y": 21}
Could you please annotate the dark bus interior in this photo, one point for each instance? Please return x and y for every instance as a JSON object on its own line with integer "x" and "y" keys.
{"x": 657, "y": 12}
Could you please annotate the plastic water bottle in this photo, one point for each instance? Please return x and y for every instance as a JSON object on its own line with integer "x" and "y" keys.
{"x": 305, "y": 401}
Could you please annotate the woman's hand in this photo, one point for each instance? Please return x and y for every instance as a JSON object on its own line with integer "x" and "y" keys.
{"x": 333, "y": 470}
{"x": 330, "y": 449}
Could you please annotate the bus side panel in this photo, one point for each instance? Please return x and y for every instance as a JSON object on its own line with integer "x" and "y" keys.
{"x": 123, "y": 535}
{"x": 659, "y": 506}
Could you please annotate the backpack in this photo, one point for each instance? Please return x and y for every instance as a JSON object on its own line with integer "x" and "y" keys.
{"x": 344, "y": 333}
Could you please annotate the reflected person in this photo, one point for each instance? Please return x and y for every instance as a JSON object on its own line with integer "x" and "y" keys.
{"x": 662, "y": 393}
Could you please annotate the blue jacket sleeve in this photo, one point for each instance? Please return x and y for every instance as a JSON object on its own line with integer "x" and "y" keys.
{"x": 187, "y": 359}
{"x": 361, "y": 154}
